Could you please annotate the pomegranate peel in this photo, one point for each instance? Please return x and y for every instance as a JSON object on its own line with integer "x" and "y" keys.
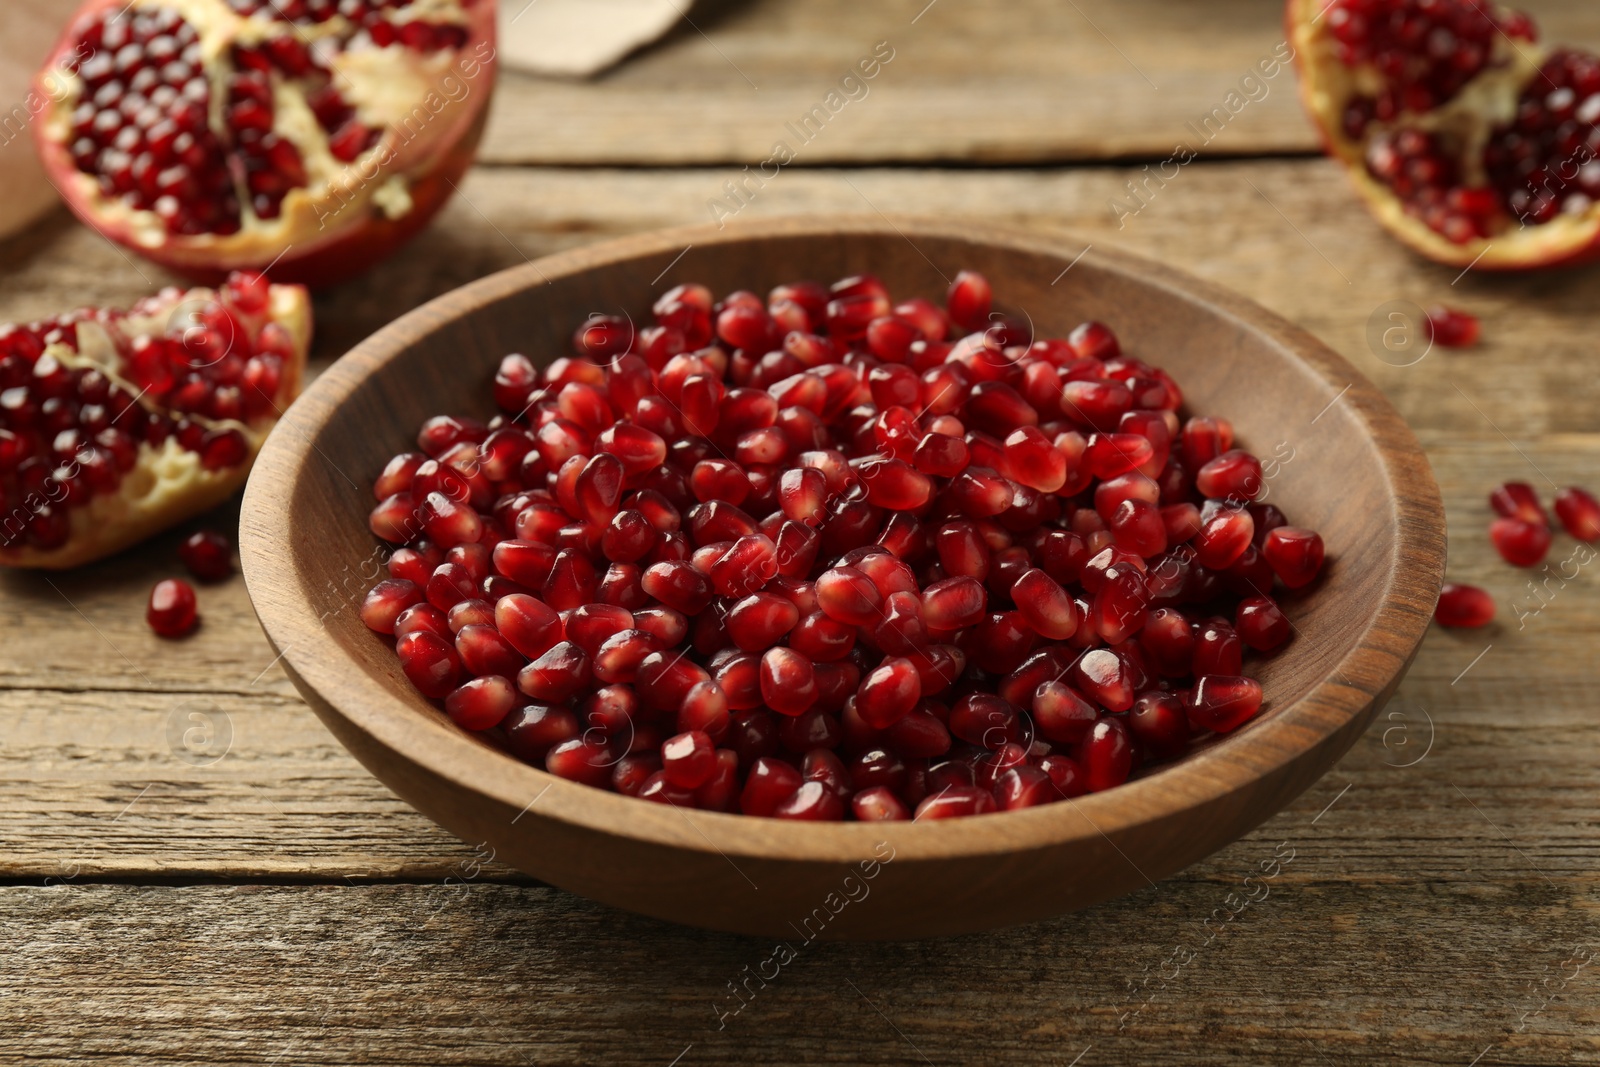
{"x": 1453, "y": 150}
{"x": 178, "y": 463}
{"x": 219, "y": 135}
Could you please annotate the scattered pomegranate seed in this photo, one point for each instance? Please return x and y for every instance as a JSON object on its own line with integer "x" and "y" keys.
{"x": 171, "y": 612}
{"x": 1517, "y": 500}
{"x": 1463, "y": 606}
{"x": 877, "y": 572}
{"x": 1520, "y": 543}
{"x": 208, "y": 555}
{"x": 1451, "y": 328}
{"x": 1579, "y": 513}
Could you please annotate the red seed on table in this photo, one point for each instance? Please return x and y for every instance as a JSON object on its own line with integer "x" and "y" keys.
{"x": 1517, "y": 500}
{"x": 1579, "y": 513}
{"x": 171, "y": 611}
{"x": 208, "y": 555}
{"x": 1463, "y": 606}
{"x": 1451, "y": 328}
{"x": 1520, "y": 543}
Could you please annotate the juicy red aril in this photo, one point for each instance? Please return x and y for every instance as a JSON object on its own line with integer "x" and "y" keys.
{"x": 1579, "y": 513}
{"x": 1222, "y": 704}
{"x": 1517, "y": 500}
{"x": 922, "y": 571}
{"x": 1451, "y": 328}
{"x": 171, "y": 611}
{"x": 1295, "y": 555}
{"x": 208, "y": 555}
{"x": 481, "y": 703}
{"x": 1261, "y": 624}
{"x": 1463, "y": 606}
{"x": 1520, "y": 543}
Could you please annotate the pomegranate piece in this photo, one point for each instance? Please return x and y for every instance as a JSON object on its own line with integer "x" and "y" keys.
{"x": 1466, "y": 137}
{"x": 117, "y": 424}
{"x": 1579, "y": 513}
{"x": 211, "y": 143}
{"x": 208, "y": 555}
{"x": 1517, "y": 500}
{"x": 1295, "y": 555}
{"x": 1451, "y": 328}
{"x": 875, "y": 574}
{"x": 1520, "y": 543}
{"x": 1223, "y": 704}
{"x": 172, "y": 612}
{"x": 1464, "y": 606}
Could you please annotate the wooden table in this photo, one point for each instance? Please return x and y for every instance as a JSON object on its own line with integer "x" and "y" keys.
{"x": 192, "y": 870}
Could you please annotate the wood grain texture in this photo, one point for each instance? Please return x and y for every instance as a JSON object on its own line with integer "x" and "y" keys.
{"x": 488, "y": 974}
{"x": 1023, "y": 82}
{"x": 1433, "y": 925}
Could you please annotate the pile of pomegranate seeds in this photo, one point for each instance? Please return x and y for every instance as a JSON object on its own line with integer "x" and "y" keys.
{"x": 829, "y": 556}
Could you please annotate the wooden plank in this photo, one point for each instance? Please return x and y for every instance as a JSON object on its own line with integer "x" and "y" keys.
{"x": 88, "y": 696}
{"x": 1029, "y": 82}
{"x": 487, "y": 974}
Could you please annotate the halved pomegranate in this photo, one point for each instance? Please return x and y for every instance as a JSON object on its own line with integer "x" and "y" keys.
{"x": 114, "y": 425}
{"x": 1470, "y": 142}
{"x": 311, "y": 137}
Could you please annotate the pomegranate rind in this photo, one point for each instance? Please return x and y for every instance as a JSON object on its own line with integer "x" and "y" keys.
{"x": 369, "y": 207}
{"x": 167, "y": 484}
{"x": 1489, "y": 100}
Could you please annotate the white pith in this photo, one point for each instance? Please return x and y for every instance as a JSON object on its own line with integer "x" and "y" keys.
{"x": 1490, "y": 99}
{"x": 167, "y": 483}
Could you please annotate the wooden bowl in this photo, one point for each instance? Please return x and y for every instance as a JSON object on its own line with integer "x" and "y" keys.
{"x": 1339, "y": 459}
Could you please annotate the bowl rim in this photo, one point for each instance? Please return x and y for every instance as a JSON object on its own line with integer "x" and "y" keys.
{"x": 1209, "y": 775}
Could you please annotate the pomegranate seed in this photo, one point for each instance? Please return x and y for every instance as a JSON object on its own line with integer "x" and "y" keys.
{"x": 879, "y": 804}
{"x": 688, "y": 759}
{"x": 481, "y": 703}
{"x": 1160, "y": 723}
{"x": 813, "y": 801}
{"x": 1451, "y": 328}
{"x": 1463, "y": 606}
{"x": 788, "y": 681}
{"x": 955, "y": 802}
{"x": 1517, "y": 500}
{"x": 208, "y": 555}
{"x": 1294, "y": 554}
{"x": 1223, "y": 704}
{"x": 1579, "y": 513}
{"x": 171, "y": 611}
{"x": 1520, "y": 543}
{"x": 429, "y": 662}
{"x": 969, "y": 301}
{"x": 1261, "y": 624}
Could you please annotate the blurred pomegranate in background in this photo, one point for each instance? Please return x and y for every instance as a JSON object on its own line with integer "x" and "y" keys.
{"x": 1470, "y": 141}
{"x": 308, "y": 137}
